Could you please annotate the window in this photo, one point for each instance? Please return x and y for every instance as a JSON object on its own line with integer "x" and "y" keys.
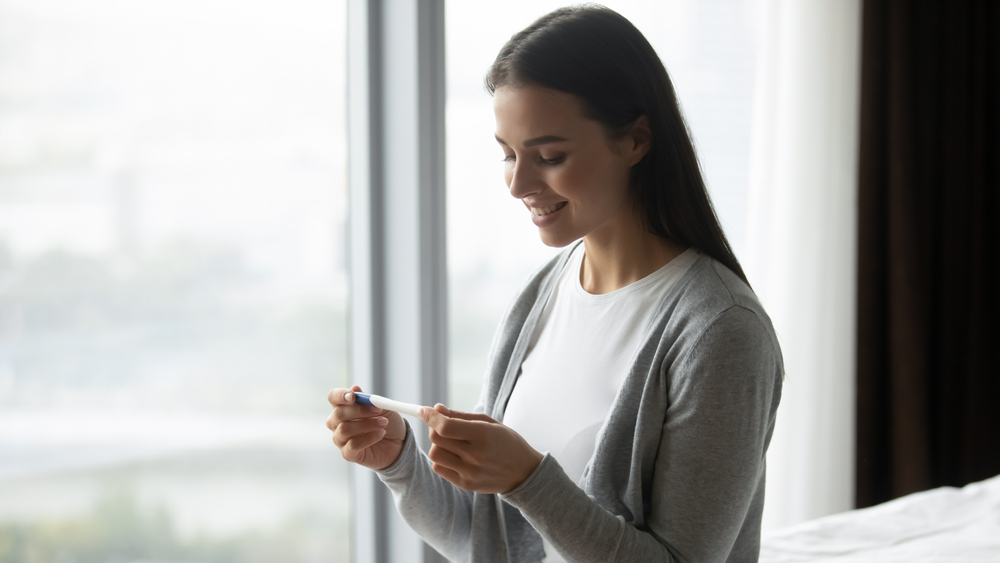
{"x": 172, "y": 280}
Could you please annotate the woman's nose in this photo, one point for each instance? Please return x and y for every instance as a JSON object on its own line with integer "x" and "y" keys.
{"x": 521, "y": 181}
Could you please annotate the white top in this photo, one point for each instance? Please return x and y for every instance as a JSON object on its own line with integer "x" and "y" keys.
{"x": 578, "y": 357}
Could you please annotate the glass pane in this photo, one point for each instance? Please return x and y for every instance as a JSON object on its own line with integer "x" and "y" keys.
{"x": 708, "y": 49}
{"x": 172, "y": 285}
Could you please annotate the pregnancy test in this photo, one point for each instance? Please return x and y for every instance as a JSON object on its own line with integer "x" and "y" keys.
{"x": 388, "y": 404}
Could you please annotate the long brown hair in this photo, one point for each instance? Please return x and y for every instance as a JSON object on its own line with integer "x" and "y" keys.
{"x": 598, "y": 56}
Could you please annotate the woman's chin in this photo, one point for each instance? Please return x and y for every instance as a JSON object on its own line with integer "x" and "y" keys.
{"x": 556, "y": 240}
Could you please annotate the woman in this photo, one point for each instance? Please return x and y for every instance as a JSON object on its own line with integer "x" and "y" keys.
{"x": 638, "y": 360}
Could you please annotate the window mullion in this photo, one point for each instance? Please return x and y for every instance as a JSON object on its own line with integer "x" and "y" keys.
{"x": 398, "y": 264}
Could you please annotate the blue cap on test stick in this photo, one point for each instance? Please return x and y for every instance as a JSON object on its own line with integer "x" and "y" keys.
{"x": 380, "y": 402}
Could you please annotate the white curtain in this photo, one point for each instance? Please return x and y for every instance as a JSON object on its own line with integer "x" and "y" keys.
{"x": 801, "y": 238}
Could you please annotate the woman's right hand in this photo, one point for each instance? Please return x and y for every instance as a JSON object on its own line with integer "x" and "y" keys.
{"x": 369, "y": 436}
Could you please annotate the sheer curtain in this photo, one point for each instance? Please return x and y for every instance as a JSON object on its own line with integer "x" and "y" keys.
{"x": 800, "y": 250}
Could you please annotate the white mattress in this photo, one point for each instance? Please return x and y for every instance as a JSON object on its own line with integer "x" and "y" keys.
{"x": 941, "y": 525}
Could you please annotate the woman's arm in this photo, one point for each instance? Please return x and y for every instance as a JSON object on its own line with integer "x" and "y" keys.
{"x": 435, "y": 509}
{"x": 381, "y": 440}
{"x": 709, "y": 468}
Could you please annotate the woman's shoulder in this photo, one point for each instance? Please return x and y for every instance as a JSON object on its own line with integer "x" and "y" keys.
{"x": 710, "y": 286}
{"x": 710, "y": 294}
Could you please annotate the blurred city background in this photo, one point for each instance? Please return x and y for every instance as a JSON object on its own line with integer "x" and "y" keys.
{"x": 172, "y": 282}
{"x": 172, "y": 258}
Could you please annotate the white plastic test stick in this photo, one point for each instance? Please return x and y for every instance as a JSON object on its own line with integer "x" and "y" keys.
{"x": 388, "y": 404}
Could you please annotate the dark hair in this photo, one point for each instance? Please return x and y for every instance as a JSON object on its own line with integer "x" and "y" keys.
{"x": 598, "y": 56}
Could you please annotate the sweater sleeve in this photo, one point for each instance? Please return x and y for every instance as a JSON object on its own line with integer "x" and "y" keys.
{"x": 436, "y": 510}
{"x": 709, "y": 466}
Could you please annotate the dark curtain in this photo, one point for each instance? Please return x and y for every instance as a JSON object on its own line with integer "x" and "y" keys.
{"x": 928, "y": 373}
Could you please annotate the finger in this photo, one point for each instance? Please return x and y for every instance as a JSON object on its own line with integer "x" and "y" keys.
{"x": 336, "y": 417}
{"x": 450, "y": 475}
{"x": 347, "y": 430}
{"x": 458, "y": 447}
{"x": 347, "y": 408}
{"x": 353, "y": 449}
{"x": 443, "y": 457}
{"x": 354, "y": 412}
{"x": 463, "y": 415}
{"x": 448, "y": 427}
{"x": 339, "y": 396}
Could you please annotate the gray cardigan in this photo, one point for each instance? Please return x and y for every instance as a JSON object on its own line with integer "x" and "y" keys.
{"x": 678, "y": 471}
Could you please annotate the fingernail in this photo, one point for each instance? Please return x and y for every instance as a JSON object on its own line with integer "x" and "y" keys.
{"x": 348, "y": 396}
{"x": 383, "y": 421}
{"x": 381, "y": 433}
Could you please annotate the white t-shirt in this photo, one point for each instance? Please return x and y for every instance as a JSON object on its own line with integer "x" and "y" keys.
{"x": 577, "y": 359}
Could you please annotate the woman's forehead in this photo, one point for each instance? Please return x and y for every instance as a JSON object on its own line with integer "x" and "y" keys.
{"x": 527, "y": 112}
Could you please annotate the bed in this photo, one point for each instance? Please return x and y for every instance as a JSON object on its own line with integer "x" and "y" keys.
{"x": 940, "y": 525}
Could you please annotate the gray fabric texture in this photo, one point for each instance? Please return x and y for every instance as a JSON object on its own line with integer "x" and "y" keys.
{"x": 678, "y": 471}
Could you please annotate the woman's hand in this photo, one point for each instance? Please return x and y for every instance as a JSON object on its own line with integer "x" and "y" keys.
{"x": 369, "y": 436}
{"x": 476, "y": 453}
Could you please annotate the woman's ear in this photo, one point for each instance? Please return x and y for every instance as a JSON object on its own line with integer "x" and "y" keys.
{"x": 640, "y": 136}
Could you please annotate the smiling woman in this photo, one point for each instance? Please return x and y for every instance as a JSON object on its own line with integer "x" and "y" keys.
{"x": 632, "y": 386}
{"x": 709, "y": 49}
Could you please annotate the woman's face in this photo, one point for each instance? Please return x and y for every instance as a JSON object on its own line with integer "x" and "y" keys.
{"x": 562, "y": 166}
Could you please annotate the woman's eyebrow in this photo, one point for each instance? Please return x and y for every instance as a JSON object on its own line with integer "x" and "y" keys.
{"x": 544, "y": 140}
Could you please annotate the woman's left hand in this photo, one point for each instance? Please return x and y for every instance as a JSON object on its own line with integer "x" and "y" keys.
{"x": 476, "y": 453}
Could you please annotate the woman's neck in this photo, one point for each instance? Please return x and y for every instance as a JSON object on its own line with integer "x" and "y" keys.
{"x": 613, "y": 260}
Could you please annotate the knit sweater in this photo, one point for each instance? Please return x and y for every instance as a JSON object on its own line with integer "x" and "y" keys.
{"x": 678, "y": 470}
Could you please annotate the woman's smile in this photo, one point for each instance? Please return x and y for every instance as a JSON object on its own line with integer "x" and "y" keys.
{"x": 545, "y": 216}
{"x": 542, "y": 211}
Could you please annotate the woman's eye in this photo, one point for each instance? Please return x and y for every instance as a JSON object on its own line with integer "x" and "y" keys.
{"x": 546, "y": 161}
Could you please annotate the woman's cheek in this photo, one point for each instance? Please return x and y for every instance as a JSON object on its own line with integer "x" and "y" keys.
{"x": 571, "y": 182}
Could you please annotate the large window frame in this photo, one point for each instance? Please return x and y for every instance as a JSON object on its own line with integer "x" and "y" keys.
{"x": 397, "y": 265}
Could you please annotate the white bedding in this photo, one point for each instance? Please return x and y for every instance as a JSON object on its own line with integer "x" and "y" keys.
{"x": 942, "y": 525}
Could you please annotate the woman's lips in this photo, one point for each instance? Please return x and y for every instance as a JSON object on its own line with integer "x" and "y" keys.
{"x": 544, "y": 216}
